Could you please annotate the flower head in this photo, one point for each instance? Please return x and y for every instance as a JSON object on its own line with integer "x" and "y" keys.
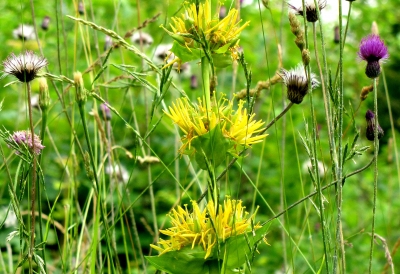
{"x": 105, "y": 111}
{"x": 24, "y": 138}
{"x": 236, "y": 126}
{"x": 45, "y": 23}
{"x": 205, "y": 227}
{"x": 311, "y": 9}
{"x": 372, "y": 50}
{"x": 24, "y": 32}
{"x": 370, "y": 132}
{"x": 24, "y": 66}
{"x": 142, "y": 37}
{"x": 196, "y": 28}
{"x": 297, "y": 83}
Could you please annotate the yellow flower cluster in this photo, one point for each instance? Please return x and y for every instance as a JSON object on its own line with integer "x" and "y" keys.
{"x": 197, "y": 120}
{"x": 197, "y": 24}
{"x": 205, "y": 228}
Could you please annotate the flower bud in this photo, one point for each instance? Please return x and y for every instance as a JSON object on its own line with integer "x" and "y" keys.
{"x": 370, "y": 132}
{"x": 193, "y": 82}
{"x": 44, "y": 97}
{"x": 336, "y": 37}
{"x": 80, "y": 88}
{"x": 107, "y": 43}
{"x": 81, "y": 8}
{"x": 106, "y": 112}
{"x": 305, "y": 56}
{"x": 222, "y": 12}
{"x": 45, "y": 23}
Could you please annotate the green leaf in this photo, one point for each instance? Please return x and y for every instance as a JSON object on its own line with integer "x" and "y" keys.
{"x": 237, "y": 248}
{"x": 186, "y": 54}
{"x": 180, "y": 261}
{"x": 222, "y": 49}
{"x": 221, "y": 60}
{"x": 214, "y": 145}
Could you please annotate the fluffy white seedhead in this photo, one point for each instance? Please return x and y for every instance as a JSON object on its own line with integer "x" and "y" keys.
{"x": 297, "y": 83}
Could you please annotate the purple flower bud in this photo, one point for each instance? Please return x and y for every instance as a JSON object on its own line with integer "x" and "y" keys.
{"x": 106, "y": 112}
{"x": 370, "y": 132}
{"x": 336, "y": 37}
{"x": 372, "y": 50}
{"x": 222, "y": 12}
{"x": 193, "y": 82}
{"x": 45, "y": 23}
{"x": 81, "y": 8}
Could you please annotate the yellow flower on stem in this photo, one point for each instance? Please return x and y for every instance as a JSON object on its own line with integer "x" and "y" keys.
{"x": 197, "y": 27}
{"x": 194, "y": 121}
{"x": 237, "y": 127}
{"x": 206, "y": 227}
{"x": 241, "y": 127}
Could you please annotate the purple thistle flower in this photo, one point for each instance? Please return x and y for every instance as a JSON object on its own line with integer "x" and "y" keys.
{"x": 372, "y": 50}
{"x": 24, "y": 137}
{"x": 311, "y": 9}
{"x": 370, "y": 132}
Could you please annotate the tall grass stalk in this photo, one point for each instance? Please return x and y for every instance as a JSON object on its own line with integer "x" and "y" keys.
{"x": 391, "y": 124}
{"x": 339, "y": 191}
{"x": 101, "y": 207}
{"x": 314, "y": 159}
{"x": 33, "y": 182}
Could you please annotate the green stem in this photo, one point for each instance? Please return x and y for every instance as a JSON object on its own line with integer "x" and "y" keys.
{"x": 327, "y": 106}
{"x": 314, "y": 143}
{"x": 376, "y": 150}
{"x": 205, "y": 71}
{"x": 33, "y": 185}
{"x": 339, "y": 193}
{"x": 81, "y": 105}
{"x": 344, "y": 37}
{"x": 42, "y": 135}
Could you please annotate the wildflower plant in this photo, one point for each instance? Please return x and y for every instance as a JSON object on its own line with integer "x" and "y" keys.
{"x": 197, "y": 31}
{"x": 209, "y": 134}
{"x": 208, "y": 239}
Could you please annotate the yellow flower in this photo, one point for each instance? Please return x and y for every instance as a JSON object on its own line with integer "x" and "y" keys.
{"x": 205, "y": 227}
{"x": 194, "y": 121}
{"x": 237, "y": 126}
{"x": 197, "y": 25}
{"x": 240, "y": 127}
